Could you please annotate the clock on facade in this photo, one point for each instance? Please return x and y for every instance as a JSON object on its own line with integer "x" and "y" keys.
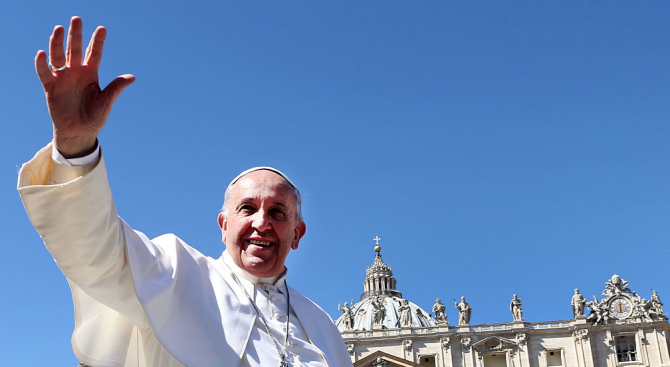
{"x": 621, "y": 307}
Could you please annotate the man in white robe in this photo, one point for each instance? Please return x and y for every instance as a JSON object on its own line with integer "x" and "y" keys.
{"x": 141, "y": 302}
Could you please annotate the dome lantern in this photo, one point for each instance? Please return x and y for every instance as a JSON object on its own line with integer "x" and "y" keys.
{"x": 379, "y": 278}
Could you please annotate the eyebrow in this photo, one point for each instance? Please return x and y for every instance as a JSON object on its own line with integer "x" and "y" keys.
{"x": 249, "y": 200}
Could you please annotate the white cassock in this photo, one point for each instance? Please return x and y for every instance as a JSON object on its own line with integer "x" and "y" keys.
{"x": 160, "y": 303}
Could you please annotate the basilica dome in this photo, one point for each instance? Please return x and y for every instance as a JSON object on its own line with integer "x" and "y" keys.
{"x": 381, "y": 305}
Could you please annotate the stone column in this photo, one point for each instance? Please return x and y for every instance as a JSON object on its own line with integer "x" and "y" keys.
{"x": 583, "y": 348}
{"x": 468, "y": 355}
{"x": 588, "y": 353}
{"x": 522, "y": 350}
{"x": 514, "y": 358}
{"x": 661, "y": 343}
{"x": 611, "y": 353}
{"x": 642, "y": 343}
{"x": 446, "y": 352}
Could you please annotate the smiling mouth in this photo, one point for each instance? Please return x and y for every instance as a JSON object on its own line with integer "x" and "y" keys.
{"x": 260, "y": 243}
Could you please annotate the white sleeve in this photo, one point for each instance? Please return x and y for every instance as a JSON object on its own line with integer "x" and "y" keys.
{"x": 73, "y": 211}
{"x": 86, "y": 160}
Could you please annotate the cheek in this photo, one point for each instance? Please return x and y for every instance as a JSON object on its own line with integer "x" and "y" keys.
{"x": 224, "y": 236}
{"x": 226, "y": 231}
{"x": 234, "y": 229}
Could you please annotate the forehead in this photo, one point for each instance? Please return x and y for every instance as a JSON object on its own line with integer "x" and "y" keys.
{"x": 263, "y": 185}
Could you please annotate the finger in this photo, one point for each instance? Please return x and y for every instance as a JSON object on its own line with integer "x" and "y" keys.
{"x": 114, "y": 89}
{"x": 94, "y": 49}
{"x": 73, "y": 53}
{"x": 43, "y": 71}
{"x": 56, "y": 53}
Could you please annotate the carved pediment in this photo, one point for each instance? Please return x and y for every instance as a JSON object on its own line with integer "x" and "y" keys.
{"x": 493, "y": 343}
{"x": 390, "y": 360}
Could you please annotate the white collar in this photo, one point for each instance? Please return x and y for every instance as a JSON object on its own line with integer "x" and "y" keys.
{"x": 276, "y": 281}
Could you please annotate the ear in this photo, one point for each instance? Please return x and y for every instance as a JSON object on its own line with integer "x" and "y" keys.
{"x": 297, "y": 234}
{"x": 223, "y": 224}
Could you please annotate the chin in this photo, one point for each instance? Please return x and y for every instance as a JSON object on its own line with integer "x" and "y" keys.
{"x": 265, "y": 274}
{"x": 261, "y": 270}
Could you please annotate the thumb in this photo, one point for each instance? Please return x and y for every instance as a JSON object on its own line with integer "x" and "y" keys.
{"x": 115, "y": 87}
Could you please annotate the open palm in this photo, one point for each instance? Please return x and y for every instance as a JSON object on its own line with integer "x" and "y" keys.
{"x": 77, "y": 105}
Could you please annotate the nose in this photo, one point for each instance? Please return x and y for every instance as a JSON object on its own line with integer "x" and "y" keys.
{"x": 261, "y": 221}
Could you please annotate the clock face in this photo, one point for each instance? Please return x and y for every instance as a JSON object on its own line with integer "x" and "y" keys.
{"x": 621, "y": 308}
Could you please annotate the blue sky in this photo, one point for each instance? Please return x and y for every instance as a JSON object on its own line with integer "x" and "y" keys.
{"x": 496, "y": 147}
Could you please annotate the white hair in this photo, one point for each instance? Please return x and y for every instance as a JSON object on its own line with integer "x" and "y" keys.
{"x": 296, "y": 192}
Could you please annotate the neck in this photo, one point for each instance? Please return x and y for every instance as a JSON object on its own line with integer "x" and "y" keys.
{"x": 241, "y": 273}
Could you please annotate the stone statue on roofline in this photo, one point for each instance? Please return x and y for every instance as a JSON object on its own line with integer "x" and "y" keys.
{"x": 405, "y": 313}
{"x": 464, "y": 312}
{"x": 378, "y": 311}
{"x": 440, "y": 312}
{"x": 656, "y": 303}
{"x": 578, "y": 303}
{"x": 347, "y": 316}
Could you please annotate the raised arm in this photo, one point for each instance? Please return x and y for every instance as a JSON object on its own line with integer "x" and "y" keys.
{"x": 77, "y": 105}
{"x": 72, "y": 207}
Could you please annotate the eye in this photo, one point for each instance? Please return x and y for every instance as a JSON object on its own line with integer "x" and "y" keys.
{"x": 278, "y": 213}
{"x": 246, "y": 209}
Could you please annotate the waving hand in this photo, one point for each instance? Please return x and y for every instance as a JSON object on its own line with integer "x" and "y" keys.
{"x": 77, "y": 105}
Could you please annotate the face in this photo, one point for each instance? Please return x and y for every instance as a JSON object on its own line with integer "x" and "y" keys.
{"x": 261, "y": 227}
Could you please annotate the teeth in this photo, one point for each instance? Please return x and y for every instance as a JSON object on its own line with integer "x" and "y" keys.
{"x": 260, "y": 243}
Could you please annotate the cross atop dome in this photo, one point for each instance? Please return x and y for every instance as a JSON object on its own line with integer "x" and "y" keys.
{"x": 378, "y": 248}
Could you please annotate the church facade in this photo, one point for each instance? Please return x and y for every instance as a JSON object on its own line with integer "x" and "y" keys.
{"x": 620, "y": 329}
